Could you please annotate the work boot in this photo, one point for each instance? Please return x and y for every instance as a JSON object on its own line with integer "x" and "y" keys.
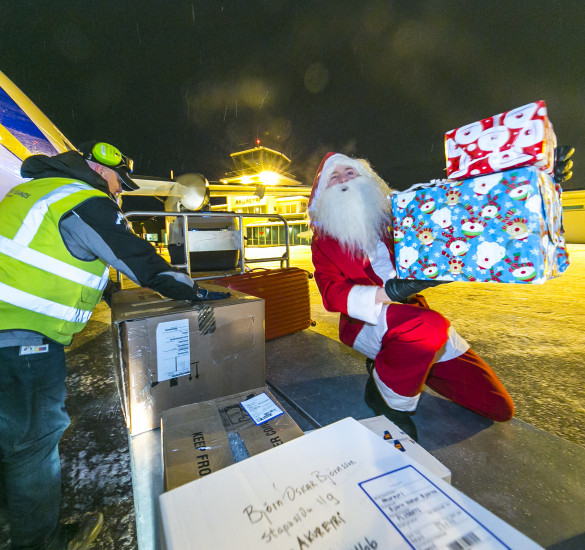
{"x": 79, "y": 535}
{"x": 401, "y": 418}
{"x": 370, "y": 363}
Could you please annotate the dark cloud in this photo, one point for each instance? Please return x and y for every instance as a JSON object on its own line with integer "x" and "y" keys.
{"x": 182, "y": 84}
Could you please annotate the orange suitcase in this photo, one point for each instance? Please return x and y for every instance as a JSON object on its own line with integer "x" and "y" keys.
{"x": 286, "y": 297}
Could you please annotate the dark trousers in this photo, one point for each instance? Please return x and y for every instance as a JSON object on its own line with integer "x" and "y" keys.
{"x": 32, "y": 421}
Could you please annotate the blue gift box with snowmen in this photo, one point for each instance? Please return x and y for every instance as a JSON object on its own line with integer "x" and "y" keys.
{"x": 504, "y": 227}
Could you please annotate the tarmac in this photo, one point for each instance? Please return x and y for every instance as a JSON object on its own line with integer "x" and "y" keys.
{"x": 532, "y": 335}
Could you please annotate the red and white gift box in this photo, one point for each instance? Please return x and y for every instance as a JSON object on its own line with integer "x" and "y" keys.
{"x": 520, "y": 137}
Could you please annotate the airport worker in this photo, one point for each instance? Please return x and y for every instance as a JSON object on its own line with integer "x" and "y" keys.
{"x": 59, "y": 234}
{"x": 407, "y": 344}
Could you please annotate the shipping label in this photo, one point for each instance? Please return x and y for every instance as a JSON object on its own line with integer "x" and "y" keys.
{"x": 261, "y": 408}
{"x": 424, "y": 515}
{"x": 173, "y": 355}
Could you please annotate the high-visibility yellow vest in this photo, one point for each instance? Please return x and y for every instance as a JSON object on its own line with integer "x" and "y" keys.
{"x": 43, "y": 288}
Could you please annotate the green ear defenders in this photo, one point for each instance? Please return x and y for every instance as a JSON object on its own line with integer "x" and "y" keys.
{"x": 110, "y": 156}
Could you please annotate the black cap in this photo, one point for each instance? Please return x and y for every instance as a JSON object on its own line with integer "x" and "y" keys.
{"x": 111, "y": 157}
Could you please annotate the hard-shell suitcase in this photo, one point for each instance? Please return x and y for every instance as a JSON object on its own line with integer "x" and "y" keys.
{"x": 286, "y": 296}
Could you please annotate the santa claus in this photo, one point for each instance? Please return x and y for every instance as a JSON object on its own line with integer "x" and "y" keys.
{"x": 407, "y": 344}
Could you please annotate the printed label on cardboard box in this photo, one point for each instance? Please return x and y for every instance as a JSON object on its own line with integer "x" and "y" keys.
{"x": 172, "y": 349}
{"x": 424, "y": 514}
{"x": 261, "y": 408}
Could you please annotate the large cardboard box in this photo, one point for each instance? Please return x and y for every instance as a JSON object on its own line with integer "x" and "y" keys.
{"x": 504, "y": 227}
{"x": 200, "y": 439}
{"x": 171, "y": 353}
{"x": 338, "y": 487}
{"x": 521, "y": 137}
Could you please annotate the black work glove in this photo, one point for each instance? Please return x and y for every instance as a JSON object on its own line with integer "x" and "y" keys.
{"x": 563, "y": 164}
{"x": 399, "y": 290}
{"x": 111, "y": 287}
{"x": 201, "y": 294}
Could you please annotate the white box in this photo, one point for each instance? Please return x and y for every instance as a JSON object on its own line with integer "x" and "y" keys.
{"x": 399, "y": 439}
{"x": 339, "y": 487}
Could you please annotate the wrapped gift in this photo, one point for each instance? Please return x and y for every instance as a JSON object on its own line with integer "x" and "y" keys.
{"x": 504, "y": 227}
{"x": 520, "y": 137}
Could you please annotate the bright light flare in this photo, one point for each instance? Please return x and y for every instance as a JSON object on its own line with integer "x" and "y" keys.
{"x": 268, "y": 178}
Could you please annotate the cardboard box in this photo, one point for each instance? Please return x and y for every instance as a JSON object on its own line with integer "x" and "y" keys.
{"x": 200, "y": 439}
{"x": 394, "y": 436}
{"x": 171, "y": 353}
{"x": 504, "y": 228}
{"x": 520, "y": 137}
{"x": 340, "y": 486}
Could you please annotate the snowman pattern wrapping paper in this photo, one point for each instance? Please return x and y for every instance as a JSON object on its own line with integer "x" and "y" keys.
{"x": 504, "y": 227}
{"x": 519, "y": 137}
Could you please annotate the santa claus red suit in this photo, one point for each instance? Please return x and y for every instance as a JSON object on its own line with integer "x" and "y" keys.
{"x": 410, "y": 344}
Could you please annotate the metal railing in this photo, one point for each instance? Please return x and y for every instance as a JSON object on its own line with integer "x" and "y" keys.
{"x": 242, "y": 261}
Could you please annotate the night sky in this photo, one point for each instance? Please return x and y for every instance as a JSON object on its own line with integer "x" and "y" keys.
{"x": 179, "y": 85}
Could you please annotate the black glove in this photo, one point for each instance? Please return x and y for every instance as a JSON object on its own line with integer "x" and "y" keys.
{"x": 399, "y": 290}
{"x": 111, "y": 287}
{"x": 201, "y": 294}
{"x": 563, "y": 164}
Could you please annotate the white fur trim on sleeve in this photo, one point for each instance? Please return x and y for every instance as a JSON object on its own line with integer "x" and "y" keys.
{"x": 369, "y": 339}
{"x": 361, "y": 303}
{"x": 394, "y": 400}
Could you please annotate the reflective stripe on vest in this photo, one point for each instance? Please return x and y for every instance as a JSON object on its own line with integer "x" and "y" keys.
{"x": 17, "y": 248}
{"x": 41, "y": 305}
{"x": 26, "y": 245}
{"x": 52, "y": 265}
{"x": 34, "y": 218}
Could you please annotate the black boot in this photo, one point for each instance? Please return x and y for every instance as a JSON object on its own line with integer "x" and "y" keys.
{"x": 370, "y": 363}
{"x": 376, "y": 402}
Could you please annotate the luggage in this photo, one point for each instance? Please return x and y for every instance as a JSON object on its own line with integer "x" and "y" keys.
{"x": 286, "y": 295}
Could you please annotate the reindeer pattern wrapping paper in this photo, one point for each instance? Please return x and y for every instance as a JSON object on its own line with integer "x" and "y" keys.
{"x": 504, "y": 227}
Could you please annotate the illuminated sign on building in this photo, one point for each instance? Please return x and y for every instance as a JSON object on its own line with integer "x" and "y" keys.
{"x": 249, "y": 201}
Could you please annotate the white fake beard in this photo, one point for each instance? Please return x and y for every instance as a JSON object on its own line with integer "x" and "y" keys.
{"x": 355, "y": 213}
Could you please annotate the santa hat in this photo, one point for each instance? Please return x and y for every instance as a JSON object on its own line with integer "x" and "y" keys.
{"x": 326, "y": 168}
